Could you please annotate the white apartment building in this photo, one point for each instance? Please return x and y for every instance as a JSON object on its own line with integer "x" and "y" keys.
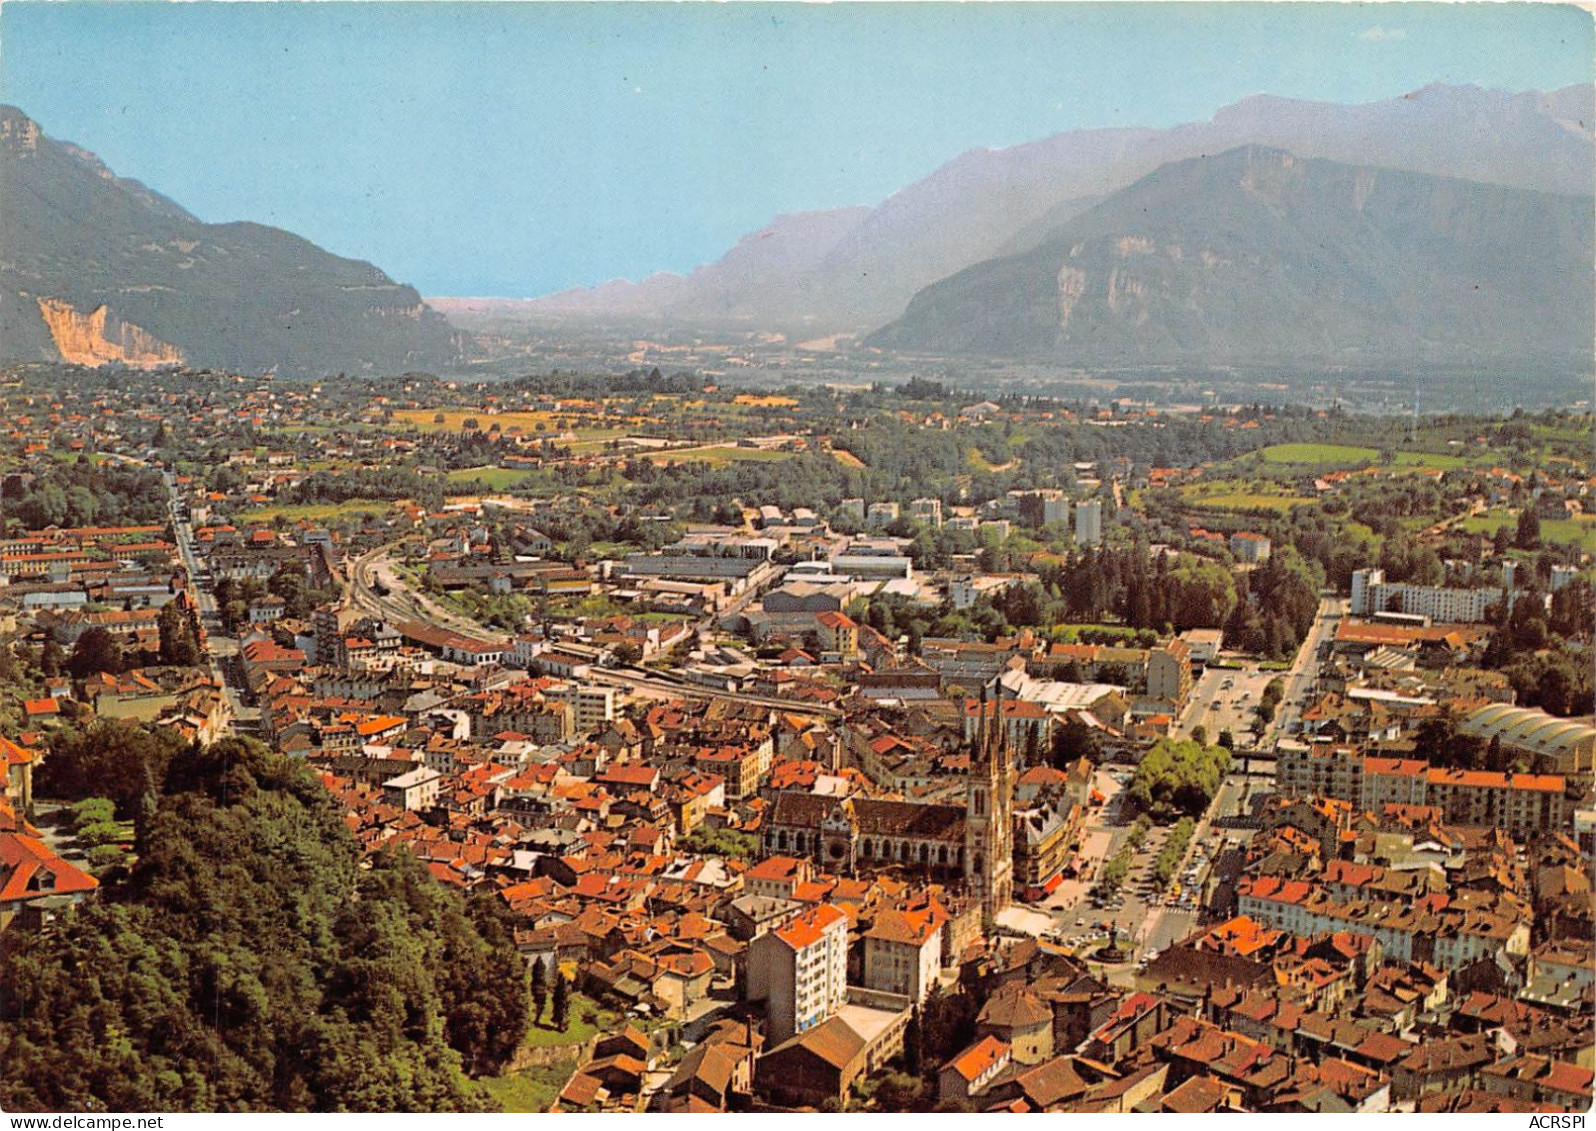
{"x": 594, "y": 707}
{"x": 903, "y": 953}
{"x": 415, "y": 790}
{"x": 1371, "y": 594}
{"x": 800, "y": 971}
{"x": 1523, "y": 804}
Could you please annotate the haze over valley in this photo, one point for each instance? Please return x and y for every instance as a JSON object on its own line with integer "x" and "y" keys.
{"x": 1424, "y": 237}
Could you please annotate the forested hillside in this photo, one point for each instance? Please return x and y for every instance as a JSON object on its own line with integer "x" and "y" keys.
{"x": 250, "y": 963}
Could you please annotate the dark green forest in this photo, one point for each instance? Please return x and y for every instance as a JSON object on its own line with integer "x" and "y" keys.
{"x": 251, "y": 962}
{"x": 83, "y": 493}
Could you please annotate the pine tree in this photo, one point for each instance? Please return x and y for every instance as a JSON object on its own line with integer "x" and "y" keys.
{"x": 540, "y": 992}
{"x": 562, "y": 1000}
{"x": 177, "y": 637}
{"x": 1528, "y": 535}
{"x": 913, "y": 1054}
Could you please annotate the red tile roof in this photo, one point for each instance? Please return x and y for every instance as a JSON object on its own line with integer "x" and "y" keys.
{"x": 809, "y": 927}
{"x": 980, "y": 1058}
{"x": 26, "y": 864}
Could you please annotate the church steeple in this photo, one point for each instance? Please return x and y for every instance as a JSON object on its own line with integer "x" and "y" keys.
{"x": 978, "y": 747}
{"x": 989, "y": 821}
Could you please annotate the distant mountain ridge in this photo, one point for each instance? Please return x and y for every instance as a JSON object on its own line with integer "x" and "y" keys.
{"x": 96, "y": 268}
{"x": 988, "y": 202}
{"x": 1257, "y": 255}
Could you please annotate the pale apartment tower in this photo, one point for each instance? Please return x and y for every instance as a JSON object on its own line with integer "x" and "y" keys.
{"x": 1089, "y": 522}
{"x": 1363, "y": 583}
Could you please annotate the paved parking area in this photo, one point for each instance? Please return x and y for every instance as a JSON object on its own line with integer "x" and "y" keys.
{"x": 1226, "y": 699}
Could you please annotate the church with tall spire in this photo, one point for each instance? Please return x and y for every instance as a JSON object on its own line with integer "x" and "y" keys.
{"x": 942, "y": 841}
{"x": 989, "y": 818}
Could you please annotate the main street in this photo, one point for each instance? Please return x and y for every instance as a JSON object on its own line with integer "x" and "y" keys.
{"x": 1142, "y": 917}
{"x": 1304, "y": 674}
{"x": 219, "y": 649}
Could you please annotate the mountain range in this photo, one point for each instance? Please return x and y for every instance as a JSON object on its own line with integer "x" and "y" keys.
{"x": 1450, "y": 225}
{"x": 1259, "y": 256}
{"x": 854, "y": 269}
{"x": 95, "y": 268}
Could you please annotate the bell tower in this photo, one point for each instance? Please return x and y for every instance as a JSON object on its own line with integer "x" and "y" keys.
{"x": 989, "y": 820}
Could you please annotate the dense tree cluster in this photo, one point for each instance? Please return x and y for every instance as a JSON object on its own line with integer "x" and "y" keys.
{"x": 1559, "y": 682}
{"x": 1177, "y": 778}
{"x": 1281, "y": 603}
{"x": 179, "y": 636}
{"x": 113, "y": 759}
{"x": 721, "y": 842}
{"x": 250, "y": 964}
{"x": 96, "y": 650}
{"x": 1544, "y": 654}
{"x": 83, "y": 493}
{"x": 571, "y": 384}
{"x": 1439, "y": 742}
{"x": 696, "y": 491}
{"x": 1160, "y": 593}
{"x": 366, "y": 483}
{"x": 1073, "y": 740}
{"x": 300, "y": 597}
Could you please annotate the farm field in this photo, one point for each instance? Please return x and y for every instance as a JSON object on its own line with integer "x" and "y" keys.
{"x": 530, "y": 423}
{"x": 721, "y": 455}
{"x": 1243, "y": 503}
{"x": 1319, "y": 454}
{"x": 1302, "y": 458}
{"x": 497, "y": 478}
{"x": 315, "y": 512}
{"x": 426, "y": 419}
{"x": 1240, "y": 497}
{"x": 1431, "y": 461}
{"x": 1580, "y": 531}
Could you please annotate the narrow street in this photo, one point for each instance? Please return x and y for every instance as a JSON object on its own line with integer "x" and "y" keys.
{"x": 220, "y": 650}
{"x": 1304, "y": 674}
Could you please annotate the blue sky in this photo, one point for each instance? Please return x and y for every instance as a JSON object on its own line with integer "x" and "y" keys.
{"x": 517, "y": 149}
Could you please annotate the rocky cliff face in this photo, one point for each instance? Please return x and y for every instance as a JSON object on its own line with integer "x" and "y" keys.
{"x": 98, "y": 269}
{"x": 97, "y": 338}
